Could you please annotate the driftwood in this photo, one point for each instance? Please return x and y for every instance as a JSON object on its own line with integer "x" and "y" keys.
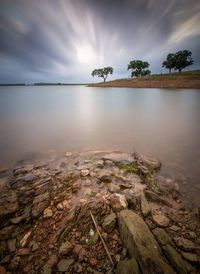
{"x": 102, "y": 239}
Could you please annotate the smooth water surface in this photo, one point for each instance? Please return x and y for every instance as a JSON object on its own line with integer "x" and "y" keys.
{"x": 161, "y": 122}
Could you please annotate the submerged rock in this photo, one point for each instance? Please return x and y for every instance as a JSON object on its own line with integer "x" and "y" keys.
{"x": 121, "y": 158}
{"x": 141, "y": 243}
{"x": 149, "y": 162}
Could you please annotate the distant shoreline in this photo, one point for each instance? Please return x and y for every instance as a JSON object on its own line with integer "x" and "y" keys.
{"x": 184, "y": 80}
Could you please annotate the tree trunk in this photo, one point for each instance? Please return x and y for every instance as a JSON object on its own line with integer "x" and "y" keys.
{"x": 104, "y": 79}
{"x": 170, "y": 70}
{"x": 179, "y": 70}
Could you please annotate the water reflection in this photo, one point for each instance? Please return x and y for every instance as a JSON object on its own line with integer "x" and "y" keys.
{"x": 164, "y": 123}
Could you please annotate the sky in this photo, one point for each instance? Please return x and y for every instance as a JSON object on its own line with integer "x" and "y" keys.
{"x": 64, "y": 40}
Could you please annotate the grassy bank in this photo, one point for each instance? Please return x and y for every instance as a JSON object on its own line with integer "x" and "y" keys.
{"x": 189, "y": 79}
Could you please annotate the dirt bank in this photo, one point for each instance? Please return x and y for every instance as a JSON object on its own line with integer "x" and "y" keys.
{"x": 191, "y": 81}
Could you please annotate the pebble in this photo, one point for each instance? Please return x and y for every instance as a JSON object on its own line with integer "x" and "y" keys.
{"x": 161, "y": 220}
{"x": 85, "y": 172}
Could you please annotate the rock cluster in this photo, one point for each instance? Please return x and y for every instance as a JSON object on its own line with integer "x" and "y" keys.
{"x": 46, "y": 225}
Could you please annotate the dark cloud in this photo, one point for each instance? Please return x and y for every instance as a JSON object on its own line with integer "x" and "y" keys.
{"x": 64, "y": 40}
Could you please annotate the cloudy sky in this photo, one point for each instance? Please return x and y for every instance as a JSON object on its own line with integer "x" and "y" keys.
{"x": 64, "y": 40}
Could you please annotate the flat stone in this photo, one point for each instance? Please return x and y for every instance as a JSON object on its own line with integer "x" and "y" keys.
{"x": 145, "y": 208}
{"x": 85, "y": 172}
{"x": 184, "y": 244}
{"x": 105, "y": 176}
{"x": 6, "y": 232}
{"x": 175, "y": 228}
{"x": 122, "y": 158}
{"x": 12, "y": 245}
{"x": 127, "y": 267}
{"x": 141, "y": 243}
{"x": 40, "y": 203}
{"x": 109, "y": 222}
{"x": 60, "y": 206}
{"x": 47, "y": 213}
{"x": 64, "y": 265}
{"x": 65, "y": 248}
{"x": 161, "y": 220}
{"x": 23, "y": 252}
{"x": 190, "y": 257}
{"x": 118, "y": 202}
{"x": 8, "y": 199}
{"x": 113, "y": 188}
{"x": 131, "y": 198}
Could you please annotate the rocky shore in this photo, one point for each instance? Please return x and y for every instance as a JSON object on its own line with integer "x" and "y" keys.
{"x": 46, "y": 223}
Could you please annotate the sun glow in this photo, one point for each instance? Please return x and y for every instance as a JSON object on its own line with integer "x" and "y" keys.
{"x": 86, "y": 54}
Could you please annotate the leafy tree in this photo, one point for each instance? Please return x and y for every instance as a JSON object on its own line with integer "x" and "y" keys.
{"x": 183, "y": 59}
{"x": 102, "y": 72}
{"x": 139, "y": 68}
{"x": 169, "y": 63}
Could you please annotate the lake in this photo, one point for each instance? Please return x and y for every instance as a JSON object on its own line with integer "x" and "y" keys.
{"x": 41, "y": 120}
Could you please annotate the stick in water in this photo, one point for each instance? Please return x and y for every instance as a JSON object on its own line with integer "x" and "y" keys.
{"x": 104, "y": 244}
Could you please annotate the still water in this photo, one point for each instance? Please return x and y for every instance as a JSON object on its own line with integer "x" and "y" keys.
{"x": 161, "y": 122}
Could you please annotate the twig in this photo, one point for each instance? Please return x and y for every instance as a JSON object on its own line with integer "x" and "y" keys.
{"x": 104, "y": 244}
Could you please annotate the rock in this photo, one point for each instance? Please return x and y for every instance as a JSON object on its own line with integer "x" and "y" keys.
{"x": 145, "y": 208}
{"x": 141, "y": 243}
{"x": 2, "y": 270}
{"x": 184, "y": 244}
{"x": 149, "y": 162}
{"x": 68, "y": 154}
{"x": 153, "y": 197}
{"x": 47, "y": 213}
{"x": 59, "y": 206}
{"x": 93, "y": 261}
{"x": 113, "y": 188}
{"x": 161, "y": 220}
{"x": 121, "y": 158}
{"x": 109, "y": 222}
{"x": 23, "y": 252}
{"x": 6, "y": 232}
{"x": 22, "y": 217}
{"x": 40, "y": 203}
{"x": 118, "y": 202}
{"x": 47, "y": 268}
{"x": 171, "y": 254}
{"x": 8, "y": 199}
{"x": 23, "y": 169}
{"x": 35, "y": 246}
{"x": 131, "y": 198}
{"x": 105, "y": 176}
{"x": 127, "y": 267}
{"x": 65, "y": 248}
{"x": 190, "y": 257}
{"x": 64, "y": 265}
{"x": 25, "y": 239}
{"x": 175, "y": 228}
{"x": 12, "y": 245}
{"x": 85, "y": 172}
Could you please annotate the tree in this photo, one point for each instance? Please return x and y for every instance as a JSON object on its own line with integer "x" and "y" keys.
{"x": 183, "y": 59}
{"x": 169, "y": 63}
{"x": 102, "y": 72}
{"x": 139, "y": 68}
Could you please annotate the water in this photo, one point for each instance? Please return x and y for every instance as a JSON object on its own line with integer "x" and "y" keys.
{"x": 161, "y": 122}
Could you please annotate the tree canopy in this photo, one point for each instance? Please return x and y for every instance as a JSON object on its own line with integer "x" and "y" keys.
{"x": 139, "y": 68}
{"x": 102, "y": 72}
{"x": 178, "y": 60}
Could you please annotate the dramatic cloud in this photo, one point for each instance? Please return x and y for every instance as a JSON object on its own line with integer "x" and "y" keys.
{"x": 63, "y": 40}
